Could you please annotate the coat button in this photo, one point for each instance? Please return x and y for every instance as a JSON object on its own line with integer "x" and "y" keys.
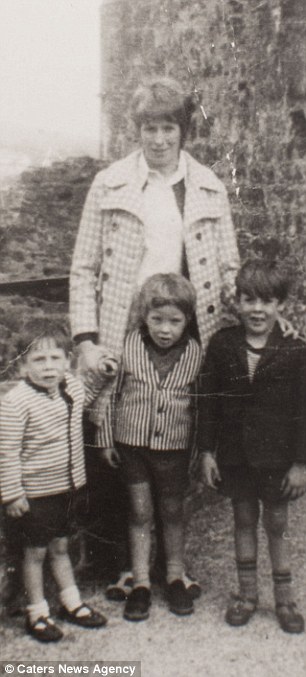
{"x": 105, "y": 276}
{"x": 108, "y": 251}
{"x": 115, "y": 226}
{"x": 157, "y": 433}
{"x": 203, "y": 261}
{"x": 207, "y": 285}
{"x": 160, "y": 410}
{"x": 199, "y": 236}
{"x": 211, "y": 309}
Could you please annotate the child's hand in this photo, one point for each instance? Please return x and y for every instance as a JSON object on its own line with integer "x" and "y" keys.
{"x": 108, "y": 366}
{"x": 111, "y": 456}
{"x": 294, "y": 482}
{"x": 210, "y": 470}
{"x": 18, "y": 507}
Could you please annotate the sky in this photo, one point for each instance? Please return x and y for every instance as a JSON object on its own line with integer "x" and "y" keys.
{"x": 49, "y": 78}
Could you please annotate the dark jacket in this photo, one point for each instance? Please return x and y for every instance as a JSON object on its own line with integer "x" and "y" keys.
{"x": 262, "y": 422}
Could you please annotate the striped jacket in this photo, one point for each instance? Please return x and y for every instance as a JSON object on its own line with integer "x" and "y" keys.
{"x": 110, "y": 247}
{"x": 41, "y": 440}
{"x": 151, "y": 412}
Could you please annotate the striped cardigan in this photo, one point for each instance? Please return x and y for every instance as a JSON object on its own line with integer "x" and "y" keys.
{"x": 151, "y": 412}
{"x": 41, "y": 440}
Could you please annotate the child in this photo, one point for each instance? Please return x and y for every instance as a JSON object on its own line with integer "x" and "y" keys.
{"x": 252, "y": 432}
{"x": 42, "y": 472}
{"x": 153, "y": 428}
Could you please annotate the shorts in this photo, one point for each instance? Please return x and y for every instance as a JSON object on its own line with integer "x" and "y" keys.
{"x": 244, "y": 483}
{"x": 49, "y": 517}
{"x": 166, "y": 471}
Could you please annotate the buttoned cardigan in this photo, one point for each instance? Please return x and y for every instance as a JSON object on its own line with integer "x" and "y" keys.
{"x": 151, "y": 411}
{"x": 41, "y": 440}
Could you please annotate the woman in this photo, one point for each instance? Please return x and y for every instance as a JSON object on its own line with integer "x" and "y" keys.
{"x": 156, "y": 211}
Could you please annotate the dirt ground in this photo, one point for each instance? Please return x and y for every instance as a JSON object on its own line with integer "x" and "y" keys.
{"x": 201, "y": 644}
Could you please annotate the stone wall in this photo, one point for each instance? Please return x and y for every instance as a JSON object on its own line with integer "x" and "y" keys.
{"x": 246, "y": 61}
{"x": 40, "y": 214}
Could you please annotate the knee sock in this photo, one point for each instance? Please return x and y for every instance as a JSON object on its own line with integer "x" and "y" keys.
{"x": 247, "y": 578}
{"x": 175, "y": 570}
{"x": 141, "y": 577}
{"x": 282, "y": 587}
{"x": 70, "y": 598}
{"x": 34, "y": 611}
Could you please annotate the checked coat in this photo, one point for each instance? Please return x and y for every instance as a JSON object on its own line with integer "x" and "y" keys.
{"x": 110, "y": 246}
{"x": 260, "y": 421}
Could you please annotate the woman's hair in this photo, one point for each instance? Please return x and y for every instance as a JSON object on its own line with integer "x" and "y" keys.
{"x": 42, "y": 328}
{"x": 163, "y": 98}
{"x": 265, "y": 279}
{"x": 166, "y": 289}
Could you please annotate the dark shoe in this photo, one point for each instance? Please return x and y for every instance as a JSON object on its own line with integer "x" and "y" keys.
{"x": 138, "y": 604}
{"x": 240, "y": 611}
{"x": 158, "y": 575}
{"x": 179, "y": 600}
{"x": 44, "y": 630}
{"x": 289, "y": 618}
{"x": 121, "y": 589}
{"x": 192, "y": 586}
{"x": 92, "y": 619}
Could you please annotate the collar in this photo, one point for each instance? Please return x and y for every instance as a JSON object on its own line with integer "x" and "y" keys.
{"x": 122, "y": 173}
{"x": 147, "y": 175}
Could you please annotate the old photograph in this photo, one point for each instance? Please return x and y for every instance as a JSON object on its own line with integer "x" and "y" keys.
{"x": 153, "y": 337}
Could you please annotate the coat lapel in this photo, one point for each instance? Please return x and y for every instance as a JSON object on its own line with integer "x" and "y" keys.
{"x": 270, "y": 351}
{"x": 202, "y": 187}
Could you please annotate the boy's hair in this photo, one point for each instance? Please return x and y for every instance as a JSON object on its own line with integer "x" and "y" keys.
{"x": 41, "y": 328}
{"x": 166, "y": 289}
{"x": 265, "y": 279}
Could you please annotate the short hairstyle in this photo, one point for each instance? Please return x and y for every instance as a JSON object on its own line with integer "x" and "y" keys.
{"x": 35, "y": 330}
{"x": 163, "y": 98}
{"x": 265, "y": 279}
{"x": 166, "y": 289}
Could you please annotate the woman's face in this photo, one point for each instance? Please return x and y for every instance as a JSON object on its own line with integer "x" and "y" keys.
{"x": 161, "y": 142}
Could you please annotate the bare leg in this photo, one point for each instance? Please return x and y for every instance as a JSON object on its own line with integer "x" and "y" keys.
{"x": 171, "y": 511}
{"x": 246, "y": 515}
{"x": 141, "y": 514}
{"x": 33, "y": 574}
{"x": 275, "y": 519}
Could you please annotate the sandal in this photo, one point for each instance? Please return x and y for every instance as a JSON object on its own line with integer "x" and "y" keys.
{"x": 44, "y": 630}
{"x": 92, "y": 619}
{"x": 121, "y": 588}
{"x": 240, "y": 610}
{"x": 289, "y": 618}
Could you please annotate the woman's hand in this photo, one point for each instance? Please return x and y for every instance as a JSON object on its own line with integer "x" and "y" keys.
{"x": 18, "y": 507}
{"x": 111, "y": 456}
{"x": 287, "y": 328}
{"x": 294, "y": 482}
{"x": 210, "y": 470}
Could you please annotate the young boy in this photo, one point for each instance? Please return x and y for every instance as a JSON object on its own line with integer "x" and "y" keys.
{"x": 154, "y": 422}
{"x": 252, "y": 432}
{"x": 42, "y": 472}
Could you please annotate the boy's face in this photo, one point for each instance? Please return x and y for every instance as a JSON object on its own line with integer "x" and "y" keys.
{"x": 45, "y": 364}
{"x": 257, "y": 315}
{"x": 166, "y": 325}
